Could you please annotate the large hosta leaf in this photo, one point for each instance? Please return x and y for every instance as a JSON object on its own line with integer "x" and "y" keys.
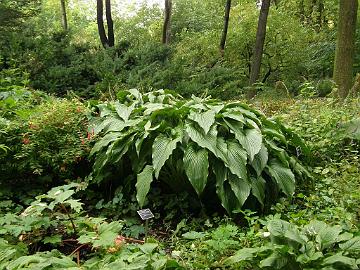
{"x": 124, "y": 111}
{"x": 198, "y": 136}
{"x": 235, "y": 159}
{"x": 223, "y": 189}
{"x": 241, "y": 188}
{"x": 105, "y": 141}
{"x": 283, "y": 177}
{"x": 204, "y": 119}
{"x": 251, "y": 140}
{"x": 347, "y": 262}
{"x": 351, "y": 245}
{"x": 162, "y": 148}
{"x": 143, "y": 182}
{"x": 258, "y": 186}
{"x": 260, "y": 160}
{"x": 196, "y": 165}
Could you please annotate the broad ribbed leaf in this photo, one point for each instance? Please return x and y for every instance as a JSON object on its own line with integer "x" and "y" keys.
{"x": 235, "y": 159}
{"x": 258, "y": 189}
{"x": 120, "y": 148}
{"x": 97, "y": 126}
{"x": 241, "y": 255}
{"x": 326, "y": 235}
{"x": 143, "y": 182}
{"x": 105, "y": 141}
{"x": 275, "y": 261}
{"x": 279, "y": 152}
{"x": 163, "y": 147}
{"x": 260, "y": 160}
{"x": 278, "y": 227}
{"x": 234, "y": 116}
{"x": 152, "y": 107}
{"x": 204, "y": 119}
{"x": 348, "y": 262}
{"x": 272, "y": 133}
{"x": 198, "y": 136}
{"x": 351, "y": 245}
{"x": 241, "y": 188}
{"x": 283, "y": 177}
{"x": 124, "y": 111}
{"x": 196, "y": 165}
{"x": 223, "y": 190}
{"x": 120, "y": 125}
{"x": 251, "y": 140}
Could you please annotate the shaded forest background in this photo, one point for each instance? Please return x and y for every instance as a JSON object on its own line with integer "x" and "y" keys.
{"x": 299, "y": 48}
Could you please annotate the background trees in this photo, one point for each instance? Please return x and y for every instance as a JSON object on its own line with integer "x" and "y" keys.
{"x": 226, "y": 26}
{"x": 259, "y": 44}
{"x": 106, "y": 41}
{"x": 345, "y": 47}
{"x": 58, "y": 62}
{"x": 64, "y": 15}
{"x": 166, "y": 35}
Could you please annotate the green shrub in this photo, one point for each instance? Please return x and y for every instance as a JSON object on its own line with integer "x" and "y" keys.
{"x": 49, "y": 141}
{"x": 325, "y": 87}
{"x": 195, "y": 145}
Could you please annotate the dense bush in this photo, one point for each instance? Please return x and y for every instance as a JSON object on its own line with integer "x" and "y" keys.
{"x": 49, "y": 140}
{"x": 195, "y": 145}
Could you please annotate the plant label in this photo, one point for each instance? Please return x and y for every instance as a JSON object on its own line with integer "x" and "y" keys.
{"x": 145, "y": 214}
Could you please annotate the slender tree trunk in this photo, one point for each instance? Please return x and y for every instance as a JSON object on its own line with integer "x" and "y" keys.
{"x": 226, "y": 27}
{"x": 100, "y": 23}
{"x": 321, "y": 8}
{"x": 166, "y": 35}
{"x": 302, "y": 11}
{"x": 110, "y": 24}
{"x": 345, "y": 46}
{"x": 259, "y": 46}
{"x": 63, "y": 15}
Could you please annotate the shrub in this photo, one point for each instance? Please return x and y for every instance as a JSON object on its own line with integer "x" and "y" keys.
{"x": 197, "y": 145}
{"x": 48, "y": 140}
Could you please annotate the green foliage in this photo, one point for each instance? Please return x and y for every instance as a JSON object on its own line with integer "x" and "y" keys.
{"x": 43, "y": 140}
{"x": 313, "y": 246}
{"x": 167, "y": 137}
{"x": 319, "y": 122}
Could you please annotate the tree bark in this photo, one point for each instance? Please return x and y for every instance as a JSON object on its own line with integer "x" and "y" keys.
{"x": 110, "y": 24}
{"x": 166, "y": 35}
{"x": 63, "y": 15}
{"x": 100, "y": 23}
{"x": 259, "y": 46}
{"x": 226, "y": 27}
{"x": 345, "y": 46}
{"x": 302, "y": 11}
{"x": 321, "y": 8}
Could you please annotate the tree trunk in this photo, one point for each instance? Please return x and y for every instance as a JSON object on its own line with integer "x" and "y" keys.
{"x": 321, "y": 8}
{"x": 302, "y": 11}
{"x": 259, "y": 46}
{"x": 110, "y": 24}
{"x": 166, "y": 35}
{"x": 63, "y": 15}
{"x": 345, "y": 46}
{"x": 226, "y": 26}
{"x": 100, "y": 23}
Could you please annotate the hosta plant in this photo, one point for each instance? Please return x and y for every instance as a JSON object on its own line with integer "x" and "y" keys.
{"x": 195, "y": 145}
{"x": 313, "y": 246}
